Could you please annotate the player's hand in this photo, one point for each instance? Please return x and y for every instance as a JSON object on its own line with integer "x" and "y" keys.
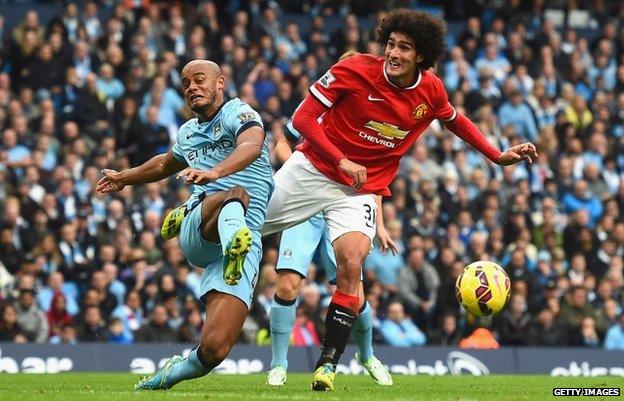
{"x": 111, "y": 182}
{"x": 385, "y": 242}
{"x": 198, "y": 177}
{"x": 355, "y": 171}
{"x": 525, "y": 151}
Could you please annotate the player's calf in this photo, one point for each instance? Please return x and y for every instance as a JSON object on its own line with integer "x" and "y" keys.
{"x": 341, "y": 315}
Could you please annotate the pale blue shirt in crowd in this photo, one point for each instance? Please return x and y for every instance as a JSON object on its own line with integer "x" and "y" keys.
{"x": 386, "y": 267}
{"x": 169, "y": 108}
{"x": 112, "y": 89}
{"x": 614, "y": 340}
{"x": 45, "y": 295}
{"x": 521, "y": 117}
{"x": 403, "y": 334}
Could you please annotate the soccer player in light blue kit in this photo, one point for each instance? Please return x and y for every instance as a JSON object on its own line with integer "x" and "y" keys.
{"x": 224, "y": 154}
{"x": 297, "y": 247}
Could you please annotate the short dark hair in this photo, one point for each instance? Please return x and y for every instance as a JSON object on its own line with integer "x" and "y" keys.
{"x": 426, "y": 31}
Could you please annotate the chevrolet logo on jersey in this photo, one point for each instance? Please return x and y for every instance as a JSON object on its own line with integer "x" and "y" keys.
{"x": 387, "y": 130}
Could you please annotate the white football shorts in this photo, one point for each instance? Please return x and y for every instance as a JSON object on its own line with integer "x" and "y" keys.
{"x": 301, "y": 191}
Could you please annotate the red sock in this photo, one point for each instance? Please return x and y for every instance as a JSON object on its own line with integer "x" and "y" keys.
{"x": 347, "y": 301}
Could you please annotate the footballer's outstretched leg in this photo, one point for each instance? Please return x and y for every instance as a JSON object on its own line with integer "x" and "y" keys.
{"x": 225, "y": 315}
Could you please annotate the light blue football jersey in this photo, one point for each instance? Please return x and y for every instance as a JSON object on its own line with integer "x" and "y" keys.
{"x": 203, "y": 145}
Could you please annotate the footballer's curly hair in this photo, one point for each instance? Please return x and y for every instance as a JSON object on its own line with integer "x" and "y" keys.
{"x": 426, "y": 31}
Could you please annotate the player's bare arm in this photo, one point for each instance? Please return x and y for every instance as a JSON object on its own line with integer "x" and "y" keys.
{"x": 155, "y": 169}
{"x": 283, "y": 149}
{"x": 248, "y": 148}
{"x": 385, "y": 242}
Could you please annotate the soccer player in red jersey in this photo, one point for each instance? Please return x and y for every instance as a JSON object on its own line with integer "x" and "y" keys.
{"x": 359, "y": 119}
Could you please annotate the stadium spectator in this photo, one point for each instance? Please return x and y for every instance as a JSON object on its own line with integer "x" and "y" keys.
{"x": 67, "y": 335}
{"x": 518, "y": 114}
{"x": 30, "y": 318}
{"x": 588, "y": 333}
{"x": 110, "y": 87}
{"x": 418, "y": 283}
{"x": 615, "y": 336}
{"x": 574, "y": 314}
{"x": 91, "y": 328}
{"x": 545, "y": 330}
{"x": 513, "y": 322}
{"x": 57, "y": 315}
{"x": 115, "y": 287}
{"x": 190, "y": 330}
{"x": 156, "y": 329}
{"x": 581, "y": 198}
{"x": 115, "y": 333}
{"x": 304, "y": 333}
{"x": 130, "y": 313}
{"x": 10, "y": 329}
{"x": 448, "y": 334}
{"x": 398, "y": 329}
{"x": 384, "y": 267}
{"x": 107, "y": 301}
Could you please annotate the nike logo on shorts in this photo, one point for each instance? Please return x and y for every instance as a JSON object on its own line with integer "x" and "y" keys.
{"x": 375, "y": 99}
{"x": 342, "y": 313}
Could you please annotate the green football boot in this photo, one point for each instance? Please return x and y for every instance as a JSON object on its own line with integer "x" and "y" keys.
{"x": 173, "y": 222}
{"x": 323, "y": 378}
{"x": 235, "y": 253}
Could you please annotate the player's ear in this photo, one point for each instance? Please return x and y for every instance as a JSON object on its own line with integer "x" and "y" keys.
{"x": 419, "y": 58}
{"x": 220, "y": 82}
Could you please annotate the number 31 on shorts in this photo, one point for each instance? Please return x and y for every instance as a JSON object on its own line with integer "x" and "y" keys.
{"x": 370, "y": 216}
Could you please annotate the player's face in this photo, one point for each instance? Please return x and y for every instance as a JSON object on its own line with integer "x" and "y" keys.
{"x": 200, "y": 89}
{"x": 401, "y": 59}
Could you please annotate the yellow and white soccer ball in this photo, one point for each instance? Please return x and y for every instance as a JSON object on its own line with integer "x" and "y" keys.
{"x": 483, "y": 288}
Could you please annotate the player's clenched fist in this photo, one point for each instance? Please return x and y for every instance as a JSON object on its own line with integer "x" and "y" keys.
{"x": 355, "y": 171}
{"x": 199, "y": 177}
{"x": 111, "y": 182}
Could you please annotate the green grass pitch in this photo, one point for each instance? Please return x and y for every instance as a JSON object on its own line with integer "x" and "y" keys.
{"x": 118, "y": 387}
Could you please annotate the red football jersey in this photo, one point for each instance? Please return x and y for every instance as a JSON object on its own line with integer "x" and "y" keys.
{"x": 372, "y": 121}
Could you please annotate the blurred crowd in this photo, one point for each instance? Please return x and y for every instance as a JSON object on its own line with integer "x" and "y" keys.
{"x": 97, "y": 87}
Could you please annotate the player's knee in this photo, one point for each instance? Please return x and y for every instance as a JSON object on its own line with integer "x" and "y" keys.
{"x": 215, "y": 349}
{"x": 350, "y": 260}
{"x": 238, "y": 192}
{"x": 288, "y": 285}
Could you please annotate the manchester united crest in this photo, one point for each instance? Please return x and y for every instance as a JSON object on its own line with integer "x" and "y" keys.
{"x": 419, "y": 111}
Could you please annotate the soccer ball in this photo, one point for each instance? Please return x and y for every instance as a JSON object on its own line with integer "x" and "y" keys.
{"x": 483, "y": 288}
